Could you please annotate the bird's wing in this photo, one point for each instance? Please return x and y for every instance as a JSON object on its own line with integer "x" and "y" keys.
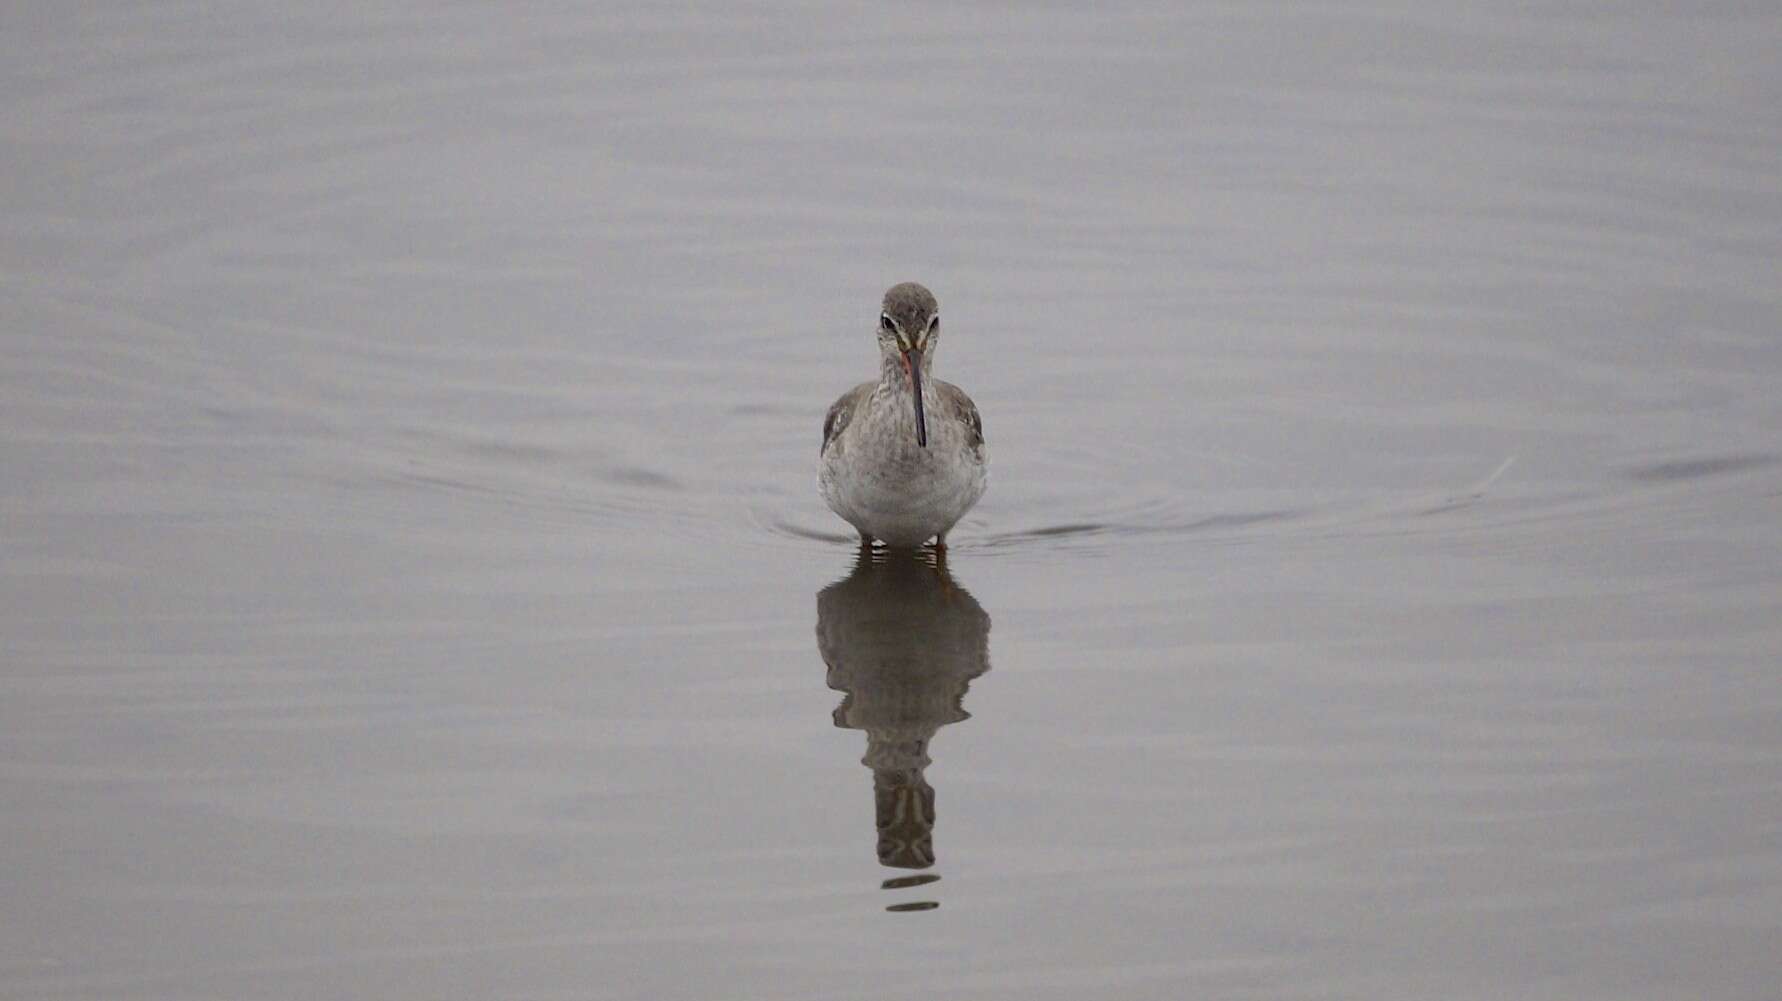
{"x": 960, "y": 408}
{"x": 841, "y": 412}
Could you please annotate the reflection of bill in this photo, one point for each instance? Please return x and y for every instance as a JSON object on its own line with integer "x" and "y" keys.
{"x": 903, "y": 808}
{"x": 903, "y": 642}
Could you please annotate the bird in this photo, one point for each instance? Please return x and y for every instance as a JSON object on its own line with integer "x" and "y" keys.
{"x": 903, "y": 457}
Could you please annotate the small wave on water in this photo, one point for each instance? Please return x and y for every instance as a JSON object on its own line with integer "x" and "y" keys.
{"x": 1040, "y": 523}
{"x": 1153, "y": 516}
{"x": 1678, "y": 470}
{"x": 1102, "y": 529}
{"x": 795, "y": 531}
{"x": 1212, "y": 523}
{"x": 1471, "y": 495}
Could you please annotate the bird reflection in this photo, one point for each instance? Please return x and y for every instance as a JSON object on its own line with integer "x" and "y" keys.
{"x": 902, "y": 641}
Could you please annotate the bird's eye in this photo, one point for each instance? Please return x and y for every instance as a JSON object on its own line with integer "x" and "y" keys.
{"x": 934, "y": 323}
{"x": 885, "y": 323}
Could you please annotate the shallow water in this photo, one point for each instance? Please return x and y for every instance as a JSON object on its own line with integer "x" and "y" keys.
{"x": 414, "y": 583}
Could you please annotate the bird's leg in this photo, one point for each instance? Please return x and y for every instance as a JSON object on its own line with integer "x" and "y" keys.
{"x": 940, "y": 569}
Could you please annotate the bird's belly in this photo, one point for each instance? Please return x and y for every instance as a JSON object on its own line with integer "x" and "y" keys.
{"x": 903, "y": 503}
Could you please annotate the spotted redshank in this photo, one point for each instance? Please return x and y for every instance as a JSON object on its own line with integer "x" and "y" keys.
{"x": 903, "y": 457}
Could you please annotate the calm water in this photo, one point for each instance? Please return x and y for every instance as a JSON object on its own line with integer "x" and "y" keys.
{"x": 414, "y": 584}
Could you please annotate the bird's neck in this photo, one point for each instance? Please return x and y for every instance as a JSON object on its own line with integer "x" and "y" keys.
{"x": 891, "y": 371}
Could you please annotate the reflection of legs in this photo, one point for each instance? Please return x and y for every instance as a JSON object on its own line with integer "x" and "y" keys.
{"x": 940, "y": 568}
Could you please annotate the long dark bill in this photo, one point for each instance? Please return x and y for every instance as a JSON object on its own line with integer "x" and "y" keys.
{"x": 912, "y": 360}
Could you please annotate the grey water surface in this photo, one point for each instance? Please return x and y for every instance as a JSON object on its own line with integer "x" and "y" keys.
{"x": 413, "y": 582}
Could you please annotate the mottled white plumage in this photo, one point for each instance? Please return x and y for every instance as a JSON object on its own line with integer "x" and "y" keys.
{"x": 896, "y": 475}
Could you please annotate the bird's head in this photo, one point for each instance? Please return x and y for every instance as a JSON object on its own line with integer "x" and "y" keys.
{"x": 909, "y": 327}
